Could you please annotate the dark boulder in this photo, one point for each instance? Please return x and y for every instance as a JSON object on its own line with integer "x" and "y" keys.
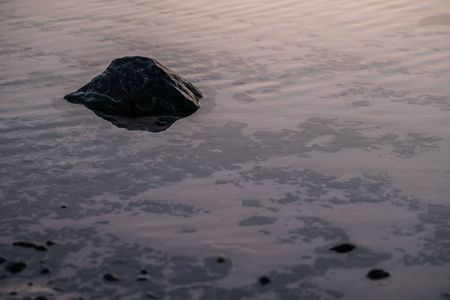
{"x": 137, "y": 87}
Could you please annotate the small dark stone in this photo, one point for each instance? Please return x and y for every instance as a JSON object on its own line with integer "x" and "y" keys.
{"x": 41, "y": 298}
{"x": 110, "y": 277}
{"x": 15, "y": 267}
{"x": 264, "y": 280}
{"x": 3, "y": 276}
{"x": 30, "y": 284}
{"x": 144, "y": 272}
{"x": 63, "y": 206}
{"x": 45, "y": 270}
{"x": 40, "y": 247}
{"x": 13, "y": 293}
{"x": 31, "y": 245}
{"x": 50, "y": 243}
{"x": 377, "y": 274}
{"x": 2, "y": 259}
{"x": 343, "y": 248}
{"x": 151, "y": 295}
{"x": 221, "y": 259}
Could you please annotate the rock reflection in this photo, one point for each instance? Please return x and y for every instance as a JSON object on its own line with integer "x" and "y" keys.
{"x": 151, "y": 123}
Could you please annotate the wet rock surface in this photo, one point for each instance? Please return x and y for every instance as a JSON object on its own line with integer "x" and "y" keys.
{"x": 138, "y": 87}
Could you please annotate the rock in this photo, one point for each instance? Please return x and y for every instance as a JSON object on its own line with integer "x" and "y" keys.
{"x": 343, "y": 248}
{"x": 264, "y": 280}
{"x": 110, "y": 277}
{"x": 15, "y": 267}
{"x": 151, "y": 295}
{"x": 37, "y": 291}
{"x": 45, "y": 270}
{"x": 221, "y": 259}
{"x": 32, "y": 245}
{"x": 134, "y": 87}
{"x": 377, "y": 274}
{"x": 2, "y": 259}
{"x": 50, "y": 243}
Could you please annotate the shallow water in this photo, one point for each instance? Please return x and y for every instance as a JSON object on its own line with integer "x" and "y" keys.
{"x": 323, "y": 122}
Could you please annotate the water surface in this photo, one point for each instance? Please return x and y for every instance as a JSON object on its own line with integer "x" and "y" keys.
{"x": 323, "y": 122}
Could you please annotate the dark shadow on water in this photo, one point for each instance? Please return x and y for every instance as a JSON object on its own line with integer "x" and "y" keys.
{"x": 150, "y": 123}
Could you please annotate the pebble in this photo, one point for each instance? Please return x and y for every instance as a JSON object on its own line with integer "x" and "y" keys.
{"x": 2, "y": 259}
{"x": 343, "y": 248}
{"x": 50, "y": 243}
{"x": 110, "y": 277}
{"x": 45, "y": 270}
{"x": 264, "y": 280}
{"x": 377, "y": 274}
{"x": 221, "y": 259}
{"x": 15, "y": 267}
{"x": 32, "y": 245}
